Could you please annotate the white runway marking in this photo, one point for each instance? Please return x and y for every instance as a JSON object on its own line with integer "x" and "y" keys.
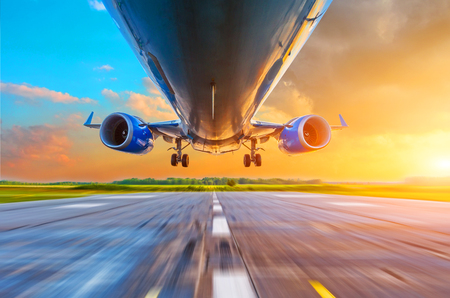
{"x": 220, "y": 226}
{"x": 231, "y": 284}
{"x": 217, "y": 208}
{"x": 79, "y": 206}
{"x": 300, "y": 195}
{"x": 128, "y": 197}
{"x": 353, "y": 204}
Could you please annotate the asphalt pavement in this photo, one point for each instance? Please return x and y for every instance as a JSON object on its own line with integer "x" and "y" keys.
{"x": 230, "y": 244}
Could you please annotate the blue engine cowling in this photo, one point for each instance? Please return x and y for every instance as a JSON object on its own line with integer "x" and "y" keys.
{"x": 304, "y": 134}
{"x": 120, "y": 131}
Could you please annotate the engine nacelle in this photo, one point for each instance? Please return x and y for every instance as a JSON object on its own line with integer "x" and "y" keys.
{"x": 120, "y": 131}
{"x": 306, "y": 134}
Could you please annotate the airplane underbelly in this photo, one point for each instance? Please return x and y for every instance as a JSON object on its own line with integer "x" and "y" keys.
{"x": 241, "y": 47}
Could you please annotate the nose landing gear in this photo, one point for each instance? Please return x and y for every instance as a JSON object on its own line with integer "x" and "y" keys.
{"x": 179, "y": 157}
{"x": 253, "y": 156}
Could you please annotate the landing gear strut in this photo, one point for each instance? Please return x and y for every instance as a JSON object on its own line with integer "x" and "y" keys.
{"x": 179, "y": 156}
{"x": 253, "y": 156}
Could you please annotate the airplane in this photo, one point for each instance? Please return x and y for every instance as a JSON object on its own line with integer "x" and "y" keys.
{"x": 215, "y": 62}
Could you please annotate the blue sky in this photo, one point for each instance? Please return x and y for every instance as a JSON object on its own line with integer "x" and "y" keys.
{"x": 61, "y": 45}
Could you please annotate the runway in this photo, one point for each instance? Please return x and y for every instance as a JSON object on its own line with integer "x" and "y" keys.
{"x": 230, "y": 244}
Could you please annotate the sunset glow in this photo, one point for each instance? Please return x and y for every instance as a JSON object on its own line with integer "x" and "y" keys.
{"x": 383, "y": 65}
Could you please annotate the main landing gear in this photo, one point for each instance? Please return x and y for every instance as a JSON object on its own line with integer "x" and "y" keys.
{"x": 253, "y": 156}
{"x": 179, "y": 157}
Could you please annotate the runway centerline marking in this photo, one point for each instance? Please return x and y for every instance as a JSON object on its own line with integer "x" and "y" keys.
{"x": 153, "y": 293}
{"x": 353, "y": 204}
{"x": 231, "y": 284}
{"x": 217, "y": 208}
{"x": 323, "y": 292}
{"x": 79, "y": 206}
{"x": 220, "y": 226}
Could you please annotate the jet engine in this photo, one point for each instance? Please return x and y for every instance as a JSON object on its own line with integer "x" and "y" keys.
{"x": 123, "y": 132}
{"x": 304, "y": 134}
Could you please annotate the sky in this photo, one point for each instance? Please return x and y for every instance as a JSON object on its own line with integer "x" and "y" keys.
{"x": 383, "y": 64}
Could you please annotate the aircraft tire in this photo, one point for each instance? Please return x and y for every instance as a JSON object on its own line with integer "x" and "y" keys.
{"x": 258, "y": 160}
{"x": 185, "y": 160}
{"x": 174, "y": 160}
{"x": 247, "y": 160}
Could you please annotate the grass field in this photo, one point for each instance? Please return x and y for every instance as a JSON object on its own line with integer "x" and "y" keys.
{"x": 10, "y": 194}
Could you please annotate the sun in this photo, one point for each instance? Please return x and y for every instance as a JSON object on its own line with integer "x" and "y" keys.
{"x": 444, "y": 164}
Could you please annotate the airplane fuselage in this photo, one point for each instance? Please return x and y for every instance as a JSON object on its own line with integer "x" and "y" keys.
{"x": 216, "y": 61}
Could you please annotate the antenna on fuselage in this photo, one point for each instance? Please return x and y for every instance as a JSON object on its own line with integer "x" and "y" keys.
{"x": 213, "y": 92}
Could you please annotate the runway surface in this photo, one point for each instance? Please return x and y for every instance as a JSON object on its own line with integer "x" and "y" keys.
{"x": 231, "y": 244}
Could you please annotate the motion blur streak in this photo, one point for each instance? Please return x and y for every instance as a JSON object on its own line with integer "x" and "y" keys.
{"x": 321, "y": 289}
{"x": 139, "y": 245}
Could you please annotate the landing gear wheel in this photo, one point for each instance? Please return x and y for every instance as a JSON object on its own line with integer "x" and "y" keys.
{"x": 185, "y": 160}
{"x": 174, "y": 160}
{"x": 247, "y": 160}
{"x": 258, "y": 160}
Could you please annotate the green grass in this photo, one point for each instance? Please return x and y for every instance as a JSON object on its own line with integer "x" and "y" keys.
{"x": 9, "y": 194}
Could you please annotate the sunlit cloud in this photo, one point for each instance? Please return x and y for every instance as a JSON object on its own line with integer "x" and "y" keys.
{"x": 111, "y": 95}
{"x": 33, "y": 93}
{"x": 148, "y": 84}
{"x": 150, "y": 106}
{"x": 105, "y": 67}
{"x": 97, "y": 5}
{"x": 272, "y": 114}
{"x": 39, "y": 143}
{"x": 285, "y": 103}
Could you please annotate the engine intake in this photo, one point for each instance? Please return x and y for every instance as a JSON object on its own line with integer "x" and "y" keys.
{"x": 120, "y": 131}
{"x": 304, "y": 134}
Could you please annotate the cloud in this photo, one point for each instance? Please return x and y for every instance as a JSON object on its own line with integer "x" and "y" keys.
{"x": 38, "y": 143}
{"x": 148, "y": 84}
{"x": 111, "y": 95}
{"x": 105, "y": 67}
{"x": 272, "y": 114}
{"x": 382, "y": 64}
{"x": 113, "y": 79}
{"x": 286, "y": 102}
{"x": 97, "y": 5}
{"x": 33, "y": 93}
{"x": 150, "y": 106}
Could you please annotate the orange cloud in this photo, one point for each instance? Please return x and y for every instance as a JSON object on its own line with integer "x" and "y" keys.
{"x": 150, "y": 106}
{"x": 31, "y": 92}
{"x": 25, "y": 145}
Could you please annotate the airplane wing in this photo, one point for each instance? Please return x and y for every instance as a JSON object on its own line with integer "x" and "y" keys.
{"x": 262, "y": 130}
{"x": 167, "y": 129}
{"x": 339, "y": 127}
{"x": 89, "y": 124}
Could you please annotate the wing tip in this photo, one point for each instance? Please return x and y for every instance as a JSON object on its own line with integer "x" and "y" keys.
{"x": 343, "y": 123}
{"x": 89, "y": 119}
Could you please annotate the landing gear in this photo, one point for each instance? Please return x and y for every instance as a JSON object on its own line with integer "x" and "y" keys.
{"x": 247, "y": 160}
{"x": 258, "y": 160}
{"x": 253, "y": 157}
{"x": 174, "y": 160}
{"x": 185, "y": 160}
{"x": 179, "y": 157}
